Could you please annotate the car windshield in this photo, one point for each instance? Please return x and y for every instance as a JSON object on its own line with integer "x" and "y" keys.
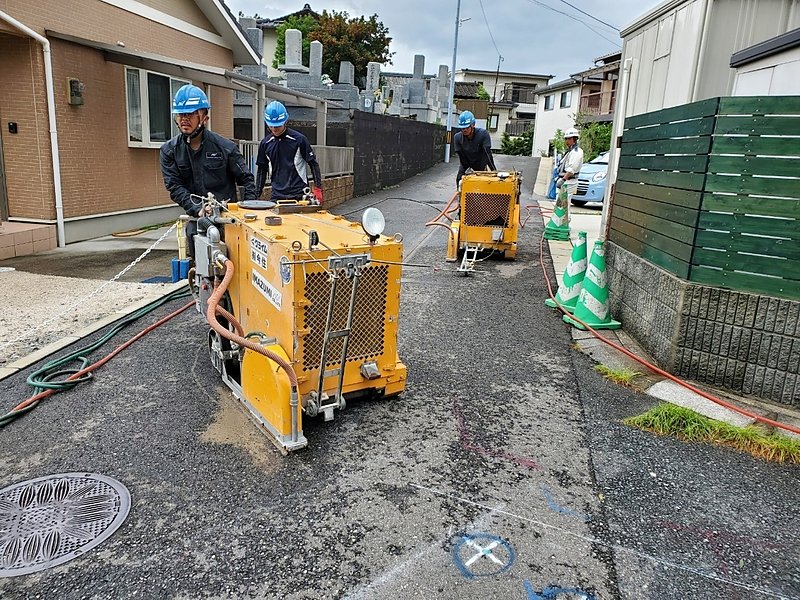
{"x": 602, "y": 159}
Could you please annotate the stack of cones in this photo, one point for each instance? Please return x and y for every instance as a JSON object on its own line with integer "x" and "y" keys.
{"x": 572, "y": 281}
{"x": 592, "y": 307}
{"x": 558, "y": 227}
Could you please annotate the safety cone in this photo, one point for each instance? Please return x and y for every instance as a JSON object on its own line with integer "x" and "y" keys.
{"x": 592, "y": 307}
{"x": 572, "y": 281}
{"x": 558, "y": 226}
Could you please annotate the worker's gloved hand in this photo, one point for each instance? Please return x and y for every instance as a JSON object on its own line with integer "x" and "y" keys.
{"x": 318, "y": 194}
{"x": 559, "y": 182}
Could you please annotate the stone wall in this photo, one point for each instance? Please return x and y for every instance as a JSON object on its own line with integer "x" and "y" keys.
{"x": 389, "y": 150}
{"x": 744, "y": 342}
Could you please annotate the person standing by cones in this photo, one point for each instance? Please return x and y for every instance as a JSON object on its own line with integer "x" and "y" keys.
{"x": 566, "y": 184}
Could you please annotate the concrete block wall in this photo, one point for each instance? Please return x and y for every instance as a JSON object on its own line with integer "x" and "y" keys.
{"x": 746, "y": 343}
{"x": 22, "y": 239}
{"x": 647, "y": 300}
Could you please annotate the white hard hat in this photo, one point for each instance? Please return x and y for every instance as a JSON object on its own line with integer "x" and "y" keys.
{"x": 572, "y": 132}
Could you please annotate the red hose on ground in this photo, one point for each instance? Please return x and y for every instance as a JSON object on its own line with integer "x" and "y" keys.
{"x": 104, "y": 360}
{"x": 656, "y": 369}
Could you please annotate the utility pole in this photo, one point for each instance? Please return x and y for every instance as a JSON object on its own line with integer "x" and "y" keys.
{"x": 494, "y": 92}
{"x": 452, "y": 87}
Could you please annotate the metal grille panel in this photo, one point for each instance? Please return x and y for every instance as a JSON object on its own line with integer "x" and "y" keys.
{"x": 583, "y": 187}
{"x": 51, "y": 520}
{"x": 487, "y": 210}
{"x": 366, "y": 339}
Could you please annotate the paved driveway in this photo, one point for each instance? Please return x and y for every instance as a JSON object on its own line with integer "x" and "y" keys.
{"x": 502, "y": 472}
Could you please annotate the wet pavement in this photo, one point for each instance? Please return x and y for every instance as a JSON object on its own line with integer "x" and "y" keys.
{"x": 503, "y": 470}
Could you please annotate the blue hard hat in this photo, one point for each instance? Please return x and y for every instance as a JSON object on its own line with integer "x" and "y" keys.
{"x": 275, "y": 114}
{"x": 465, "y": 119}
{"x": 188, "y": 99}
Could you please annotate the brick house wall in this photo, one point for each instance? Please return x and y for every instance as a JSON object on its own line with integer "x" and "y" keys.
{"x": 100, "y": 172}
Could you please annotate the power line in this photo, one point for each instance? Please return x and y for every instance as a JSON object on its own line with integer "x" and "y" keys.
{"x": 485, "y": 20}
{"x": 588, "y": 15}
{"x": 581, "y": 21}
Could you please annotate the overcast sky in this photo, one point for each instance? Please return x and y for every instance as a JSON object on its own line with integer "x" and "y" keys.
{"x": 529, "y": 34}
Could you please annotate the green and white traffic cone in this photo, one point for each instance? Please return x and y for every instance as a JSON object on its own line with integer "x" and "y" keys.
{"x": 572, "y": 281}
{"x": 558, "y": 226}
{"x": 592, "y": 307}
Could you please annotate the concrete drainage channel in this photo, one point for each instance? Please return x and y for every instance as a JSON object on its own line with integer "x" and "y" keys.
{"x": 49, "y": 521}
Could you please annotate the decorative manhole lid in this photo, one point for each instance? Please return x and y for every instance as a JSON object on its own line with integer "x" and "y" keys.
{"x": 48, "y": 521}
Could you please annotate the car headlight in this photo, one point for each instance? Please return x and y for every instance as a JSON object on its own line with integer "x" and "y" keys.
{"x": 373, "y": 223}
{"x": 599, "y": 176}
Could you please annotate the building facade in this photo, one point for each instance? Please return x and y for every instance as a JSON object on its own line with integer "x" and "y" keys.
{"x": 512, "y": 99}
{"x": 85, "y": 99}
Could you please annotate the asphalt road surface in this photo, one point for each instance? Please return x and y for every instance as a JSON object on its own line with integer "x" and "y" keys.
{"x": 503, "y": 471}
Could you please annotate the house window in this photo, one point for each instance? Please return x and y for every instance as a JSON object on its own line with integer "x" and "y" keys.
{"x": 149, "y": 102}
{"x": 493, "y": 119}
{"x": 548, "y": 102}
{"x": 566, "y": 99}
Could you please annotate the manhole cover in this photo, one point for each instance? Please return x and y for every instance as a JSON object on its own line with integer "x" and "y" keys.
{"x": 48, "y": 521}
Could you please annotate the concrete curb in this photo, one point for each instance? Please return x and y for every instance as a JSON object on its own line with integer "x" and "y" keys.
{"x": 651, "y": 383}
{"x": 53, "y": 347}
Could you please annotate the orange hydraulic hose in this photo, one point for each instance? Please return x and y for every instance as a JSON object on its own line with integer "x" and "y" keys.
{"x": 444, "y": 212}
{"x": 213, "y": 302}
{"x": 105, "y": 359}
{"x": 658, "y": 370}
{"x": 529, "y": 208}
{"x": 231, "y": 319}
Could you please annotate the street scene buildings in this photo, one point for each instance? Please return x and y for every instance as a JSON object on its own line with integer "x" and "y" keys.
{"x": 371, "y": 398}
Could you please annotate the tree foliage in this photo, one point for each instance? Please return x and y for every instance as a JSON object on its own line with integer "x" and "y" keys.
{"x": 517, "y": 145}
{"x": 595, "y": 138}
{"x": 358, "y": 40}
{"x": 482, "y": 93}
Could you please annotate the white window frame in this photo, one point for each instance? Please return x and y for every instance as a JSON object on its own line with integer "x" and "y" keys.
{"x": 145, "y": 107}
{"x": 565, "y": 95}
{"x": 550, "y": 100}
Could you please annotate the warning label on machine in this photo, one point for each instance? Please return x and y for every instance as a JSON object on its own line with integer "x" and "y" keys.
{"x": 267, "y": 290}
{"x": 258, "y": 252}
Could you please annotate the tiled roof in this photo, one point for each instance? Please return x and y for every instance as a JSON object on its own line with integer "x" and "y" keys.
{"x": 466, "y": 89}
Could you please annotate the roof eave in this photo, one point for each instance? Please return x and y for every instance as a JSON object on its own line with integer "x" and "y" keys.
{"x": 226, "y": 24}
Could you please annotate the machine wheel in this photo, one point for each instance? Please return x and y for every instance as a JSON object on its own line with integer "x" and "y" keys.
{"x": 579, "y": 202}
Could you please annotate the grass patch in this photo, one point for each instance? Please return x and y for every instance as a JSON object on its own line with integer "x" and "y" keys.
{"x": 622, "y": 377}
{"x": 685, "y": 424}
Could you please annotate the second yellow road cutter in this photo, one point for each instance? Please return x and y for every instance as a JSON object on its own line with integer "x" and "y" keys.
{"x": 303, "y": 307}
{"x": 489, "y": 217}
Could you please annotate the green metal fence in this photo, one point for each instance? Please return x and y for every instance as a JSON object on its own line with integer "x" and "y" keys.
{"x": 710, "y": 191}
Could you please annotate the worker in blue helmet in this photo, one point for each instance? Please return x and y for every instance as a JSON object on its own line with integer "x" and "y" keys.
{"x": 473, "y": 146}
{"x": 198, "y": 161}
{"x": 282, "y": 158}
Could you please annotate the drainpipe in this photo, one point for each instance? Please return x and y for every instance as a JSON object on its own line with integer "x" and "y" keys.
{"x": 613, "y": 159}
{"x": 51, "y": 114}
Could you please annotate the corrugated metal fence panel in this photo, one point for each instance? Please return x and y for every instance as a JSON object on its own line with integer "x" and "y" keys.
{"x": 660, "y": 183}
{"x": 748, "y": 234}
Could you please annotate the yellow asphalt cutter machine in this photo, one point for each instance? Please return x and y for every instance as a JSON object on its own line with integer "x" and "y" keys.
{"x": 489, "y": 217}
{"x": 303, "y": 307}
